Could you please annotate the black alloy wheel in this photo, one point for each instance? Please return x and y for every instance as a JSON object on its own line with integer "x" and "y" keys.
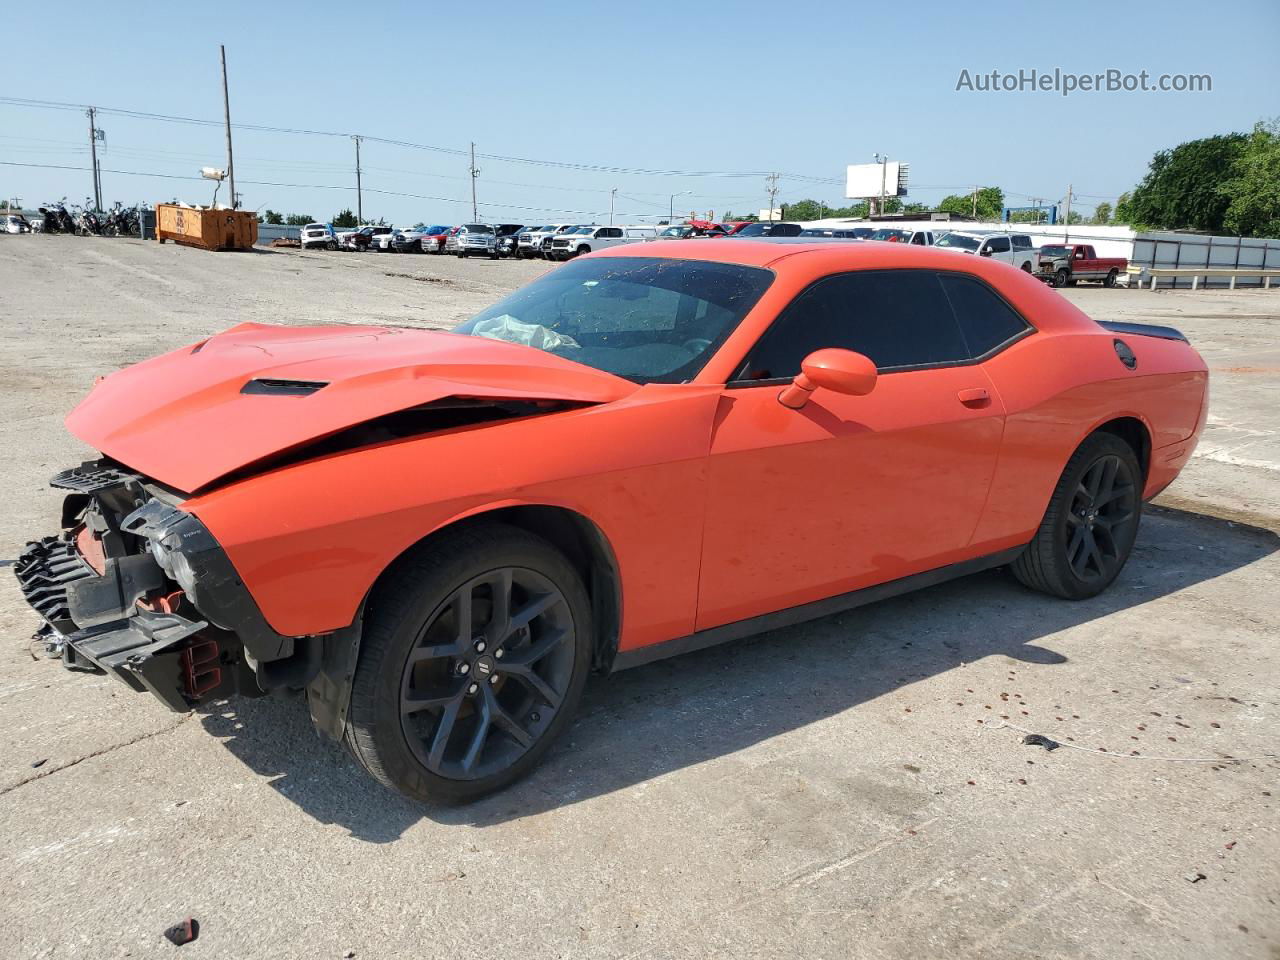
{"x": 474, "y": 656}
{"x": 1103, "y": 507}
{"x": 1091, "y": 524}
{"x": 486, "y": 677}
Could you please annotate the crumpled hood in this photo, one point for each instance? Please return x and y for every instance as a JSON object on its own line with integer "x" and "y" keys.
{"x": 184, "y": 418}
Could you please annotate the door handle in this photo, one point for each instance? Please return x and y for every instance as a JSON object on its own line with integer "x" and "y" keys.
{"x": 974, "y": 397}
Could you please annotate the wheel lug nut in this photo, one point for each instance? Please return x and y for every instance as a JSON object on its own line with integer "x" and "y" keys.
{"x": 479, "y": 646}
{"x": 473, "y": 688}
{"x": 463, "y": 668}
{"x": 497, "y": 654}
{"x": 494, "y": 679}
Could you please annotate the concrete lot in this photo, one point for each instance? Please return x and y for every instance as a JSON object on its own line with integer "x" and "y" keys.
{"x": 833, "y": 790}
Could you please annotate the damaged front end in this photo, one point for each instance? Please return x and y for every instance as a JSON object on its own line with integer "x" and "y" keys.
{"x": 138, "y": 588}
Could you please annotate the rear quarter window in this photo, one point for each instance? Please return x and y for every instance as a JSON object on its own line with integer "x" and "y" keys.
{"x": 986, "y": 321}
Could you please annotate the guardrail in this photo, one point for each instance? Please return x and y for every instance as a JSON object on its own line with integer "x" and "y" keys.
{"x": 1195, "y": 273}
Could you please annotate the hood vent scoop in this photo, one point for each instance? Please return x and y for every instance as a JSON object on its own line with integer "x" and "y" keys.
{"x": 284, "y": 388}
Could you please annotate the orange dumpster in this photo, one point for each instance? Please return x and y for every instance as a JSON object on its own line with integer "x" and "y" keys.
{"x": 207, "y": 228}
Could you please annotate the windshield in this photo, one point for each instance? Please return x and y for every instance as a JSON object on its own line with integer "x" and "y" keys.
{"x": 478, "y": 228}
{"x": 1055, "y": 251}
{"x": 957, "y": 241}
{"x": 650, "y": 320}
{"x": 894, "y": 236}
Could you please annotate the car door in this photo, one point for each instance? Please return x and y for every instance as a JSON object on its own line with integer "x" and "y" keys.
{"x": 848, "y": 491}
{"x": 997, "y": 248}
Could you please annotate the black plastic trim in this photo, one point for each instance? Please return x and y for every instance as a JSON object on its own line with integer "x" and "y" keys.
{"x": 215, "y": 589}
{"x": 809, "y": 611}
{"x": 284, "y": 388}
{"x": 1143, "y": 330}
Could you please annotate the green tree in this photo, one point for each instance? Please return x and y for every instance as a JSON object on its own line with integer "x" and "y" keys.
{"x": 270, "y": 216}
{"x": 1183, "y": 186}
{"x": 805, "y": 210}
{"x": 345, "y": 218}
{"x": 990, "y": 203}
{"x": 1101, "y": 213}
{"x": 1252, "y": 190}
{"x": 1124, "y": 212}
{"x": 1074, "y": 217}
{"x": 299, "y": 219}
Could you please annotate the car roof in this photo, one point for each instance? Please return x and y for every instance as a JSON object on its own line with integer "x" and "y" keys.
{"x": 769, "y": 251}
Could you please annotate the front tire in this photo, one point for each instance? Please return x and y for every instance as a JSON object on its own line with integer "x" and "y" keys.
{"x": 1061, "y": 278}
{"x": 1088, "y": 531}
{"x": 475, "y": 652}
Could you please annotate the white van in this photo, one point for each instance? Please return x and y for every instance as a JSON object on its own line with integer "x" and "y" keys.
{"x": 585, "y": 239}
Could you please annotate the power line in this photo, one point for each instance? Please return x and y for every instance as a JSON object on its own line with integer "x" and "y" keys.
{"x": 327, "y": 186}
{"x": 560, "y": 164}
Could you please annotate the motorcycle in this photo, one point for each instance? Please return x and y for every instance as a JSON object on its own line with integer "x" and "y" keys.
{"x": 87, "y": 223}
{"x": 57, "y": 219}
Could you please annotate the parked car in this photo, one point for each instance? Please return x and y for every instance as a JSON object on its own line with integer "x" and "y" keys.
{"x": 1062, "y": 264}
{"x": 769, "y": 229}
{"x": 364, "y": 237}
{"x": 693, "y": 229}
{"x": 451, "y": 241}
{"x": 433, "y": 239}
{"x": 319, "y": 235}
{"x": 832, "y": 233}
{"x": 529, "y": 241}
{"x": 1015, "y": 249}
{"x": 15, "y": 223}
{"x": 410, "y": 240}
{"x": 477, "y": 238}
{"x": 507, "y": 243}
{"x": 586, "y": 239}
{"x": 539, "y": 241}
{"x": 922, "y": 238}
{"x": 438, "y": 536}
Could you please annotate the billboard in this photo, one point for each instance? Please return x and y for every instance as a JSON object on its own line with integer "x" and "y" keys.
{"x": 767, "y": 214}
{"x": 866, "y": 180}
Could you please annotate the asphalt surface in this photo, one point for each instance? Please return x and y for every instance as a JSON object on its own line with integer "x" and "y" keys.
{"x": 852, "y": 787}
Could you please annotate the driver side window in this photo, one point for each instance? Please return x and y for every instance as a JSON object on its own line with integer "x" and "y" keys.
{"x": 897, "y": 318}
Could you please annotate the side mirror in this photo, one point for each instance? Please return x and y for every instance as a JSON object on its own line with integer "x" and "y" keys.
{"x": 984, "y": 252}
{"x": 841, "y": 371}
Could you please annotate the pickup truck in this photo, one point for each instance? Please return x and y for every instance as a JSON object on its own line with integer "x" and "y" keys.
{"x": 1062, "y": 264}
{"x": 1015, "y": 249}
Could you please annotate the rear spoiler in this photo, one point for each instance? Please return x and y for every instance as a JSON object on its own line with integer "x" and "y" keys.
{"x": 1143, "y": 330}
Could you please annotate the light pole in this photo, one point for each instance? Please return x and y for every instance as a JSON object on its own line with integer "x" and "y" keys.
{"x": 671, "y": 204}
{"x": 884, "y": 164}
{"x": 612, "y": 194}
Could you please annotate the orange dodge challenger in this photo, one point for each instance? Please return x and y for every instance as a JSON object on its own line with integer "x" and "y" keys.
{"x": 437, "y": 536}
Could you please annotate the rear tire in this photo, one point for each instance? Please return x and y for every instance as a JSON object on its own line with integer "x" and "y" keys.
{"x": 1088, "y": 531}
{"x": 1111, "y": 278}
{"x": 421, "y": 724}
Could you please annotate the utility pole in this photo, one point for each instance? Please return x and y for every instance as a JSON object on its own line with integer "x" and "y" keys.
{"x": 1066, "y": 220}
{"x": 475, "y": 172}
{"x": 772, "y": 181}
{"x": 359, "y": 199}
{"x": 226, "y": 109}
{"x": 975, "y": 203}
{"x": 612, "y": 194}
{"x": 93, "y": 156}
{"x": 884, "y": 173}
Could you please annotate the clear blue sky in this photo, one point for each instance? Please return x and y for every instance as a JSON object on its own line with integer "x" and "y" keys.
{"x": 798, "y": 87}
